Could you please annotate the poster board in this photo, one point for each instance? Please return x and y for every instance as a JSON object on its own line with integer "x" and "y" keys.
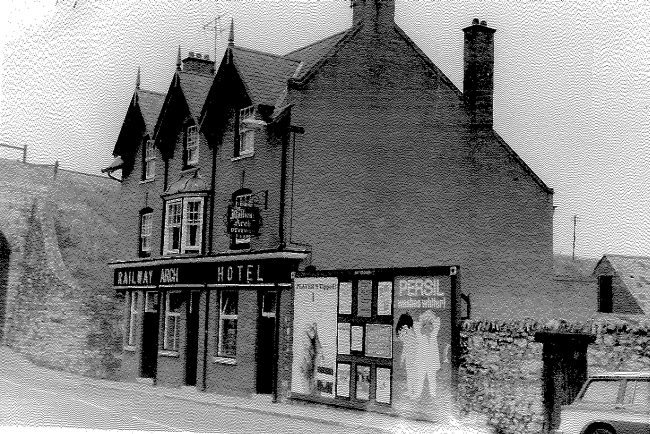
{"x": 379, "y": 340}
{"x": 364, "y": 298}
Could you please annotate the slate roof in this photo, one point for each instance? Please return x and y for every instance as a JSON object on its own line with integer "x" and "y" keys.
{"x": 264, "y": 75}
{"x": 634, "y": 271}
{"x": 195, "y": 88}
{"x": 313, "y": 54}
{"x": 150, "y": 104}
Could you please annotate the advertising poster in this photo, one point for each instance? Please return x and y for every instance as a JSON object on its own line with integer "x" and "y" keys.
{"x": 364, "y": 298}
{"x": 422, "y": 343}
{"x": 356, "y": 343}
{"x": 363, "y": 382}
{"x": 343, "y": 380}
{"x": 379, "y": 340}
{"x": 314, "y": 336}
{"x": 384, "y": 298}
{"x": 344, "y": 338}
{"x": 382, "y": 392}
{"x": 345, "y": 298}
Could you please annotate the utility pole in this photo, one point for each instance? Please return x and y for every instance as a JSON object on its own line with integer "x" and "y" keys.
{"x": 575, "y": 222}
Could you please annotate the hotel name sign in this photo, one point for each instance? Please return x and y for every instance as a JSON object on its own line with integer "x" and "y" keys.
{"x": 234, "y": 272}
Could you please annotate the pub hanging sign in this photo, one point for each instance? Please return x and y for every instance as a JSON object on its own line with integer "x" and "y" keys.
{"x": 243, "y": 220}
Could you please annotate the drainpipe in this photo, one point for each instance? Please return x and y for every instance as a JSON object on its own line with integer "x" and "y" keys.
{"x": 276, "y": 347}
{"x": 205, "y": 337}
{"x": 283, "y": 183}
{"x": 212, "y": 194}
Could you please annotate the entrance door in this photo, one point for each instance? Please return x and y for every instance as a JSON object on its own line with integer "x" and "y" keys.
{"x": 266, "y": 342}
{"x": 192, "y": 339}
{"x": 150, "y": 335}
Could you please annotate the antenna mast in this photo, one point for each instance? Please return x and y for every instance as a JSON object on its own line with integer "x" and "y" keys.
{"x": 575, "y": 222}
{"x": 215, "y": 26}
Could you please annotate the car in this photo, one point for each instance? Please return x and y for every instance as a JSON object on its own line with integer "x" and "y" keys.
{"x": 609, "y": 403}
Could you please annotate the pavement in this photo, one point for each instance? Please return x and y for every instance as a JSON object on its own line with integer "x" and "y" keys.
{"x": 259, "y": 404}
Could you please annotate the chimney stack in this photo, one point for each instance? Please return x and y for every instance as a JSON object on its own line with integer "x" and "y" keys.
{"x": 198, "y": 63}
{"x": 478, "y": 79}
{"x": 378, "y": 12}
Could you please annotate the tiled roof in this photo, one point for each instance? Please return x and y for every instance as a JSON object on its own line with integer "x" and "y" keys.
{"x": 264, "y": 75}
{"x": 635, "y": 273}
{"x": 195, "y": 87}
{"x": 312, "y": 54}
{"x": 150, "y": 104}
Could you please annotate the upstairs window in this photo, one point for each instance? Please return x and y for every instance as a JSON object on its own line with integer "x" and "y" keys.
{"x": 145, "y": 233}
{"x": 149, "y": 169}
{"x": 605, "y": 299}
{"x": 192, "y": 219}
{"x": 184, "y": 226}
{"x": 173, "y": 226}
{"x": 245, "y": 140}
{"x": 192, "y": 146}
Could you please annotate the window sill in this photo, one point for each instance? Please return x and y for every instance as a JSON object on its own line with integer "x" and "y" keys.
{"x": 129, "y": 347}
{"x": 189, "y": 169}
{"x": 225, "y": 360}
{"x": 243, "y": 156}
{"x": 147, "y": 181}
{"x": 168, "y": 353}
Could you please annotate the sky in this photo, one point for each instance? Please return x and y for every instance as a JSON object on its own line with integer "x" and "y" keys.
{"x": 571, "y": 92}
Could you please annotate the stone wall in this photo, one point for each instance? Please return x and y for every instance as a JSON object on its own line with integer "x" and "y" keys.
{"x": 501, "y": 364}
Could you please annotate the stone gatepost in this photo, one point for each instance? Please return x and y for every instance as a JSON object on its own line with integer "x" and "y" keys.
{"x": 564, "y": 358}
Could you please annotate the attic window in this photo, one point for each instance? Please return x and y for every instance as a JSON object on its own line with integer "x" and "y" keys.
{"x": 244, "y": 145}
{"x": 247, "y": 112}
{"x": 192, "y": 146}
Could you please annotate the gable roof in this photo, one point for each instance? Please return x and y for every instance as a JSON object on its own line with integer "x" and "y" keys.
{"x": 150, "y": 104}
{"x": 195, "y": 89}
{"x": 634, "y": 271}
{"x": 312, "y": 56}
{"x": 264, "y": 75}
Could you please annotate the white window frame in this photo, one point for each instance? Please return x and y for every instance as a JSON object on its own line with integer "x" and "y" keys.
{"x": 223, "y": 317}
{"x": 243, "y": 200}
{"x": 171, "y": 318}
{"x": 185, "y": 231}
{"x": 269, "y": 313}
{"x": 149, "y": 160}
{"x": 133, "y": 317}
{"x": 192, "y": 145}
{"x": 170, "y": 225}
{"x": 247, "y": 142}
{"x": 146, "y": 224}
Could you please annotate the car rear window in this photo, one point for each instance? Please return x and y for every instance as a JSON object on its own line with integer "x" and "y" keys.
{"x": 605, "y": 391}
{"x": 636, "y": 392}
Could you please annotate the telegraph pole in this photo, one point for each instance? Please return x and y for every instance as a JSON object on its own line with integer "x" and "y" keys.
{"x": 575, "y": 222}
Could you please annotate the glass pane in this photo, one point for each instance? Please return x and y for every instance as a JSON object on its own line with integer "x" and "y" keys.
{"x": 229, "y": 303}
{"x": 175, "y": 238}
{"x": 636, "y": 392}
{"x": 193, "y": 232}
{"x": 268, "y": 302}
{"x": 176, "y": 300}
{"x": 228, "y": 338}
{"x": 171, "y": 333}
{"x": 605, "y": 391}
{"x": 152, "y": 301}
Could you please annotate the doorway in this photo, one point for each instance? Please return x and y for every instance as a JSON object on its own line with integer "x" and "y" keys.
{"x": 150, "y": 335}
{"x": 192, "y": 338}
{"x": 5, "y": 253}
{"x": 266, "y": 341}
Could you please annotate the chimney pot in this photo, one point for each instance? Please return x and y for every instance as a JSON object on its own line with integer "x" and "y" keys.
{"x": 475, "y": 21}
{"x": 191, "y": 54}
{"x": 484, "y": 23}
{"x": 198, "y": 56}
{"x": 206, "y": 57}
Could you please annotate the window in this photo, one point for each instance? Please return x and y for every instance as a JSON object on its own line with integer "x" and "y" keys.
{"x": 133, "y": 317}
{"x": 192, "y": 146}
{"x": 192, "y": 218}
{"x": 636, "y": 392}
{"x": 149, "y": 160}
{"x": 244, "y": 141}
{"x": 184, "y": 226}
{"x": 247, "y": 142}
{"x": 151, "y": 301}
{"x": 227, "y": 324}
{"x": 605, "y": 391}
{"x": 605, "y": 294}
{"x": 173, "y": 226}
{"x": 238, "y": 239}
{"x": 145, "y": 233}
{"x": 173, "y": 305}
{"x": 465, "y": 306}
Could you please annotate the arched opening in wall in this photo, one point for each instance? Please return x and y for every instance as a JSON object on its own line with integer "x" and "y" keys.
{"x": 5, "y": 252}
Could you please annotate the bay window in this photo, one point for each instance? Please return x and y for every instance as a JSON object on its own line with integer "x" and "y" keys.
{"x": 184, "y": 226}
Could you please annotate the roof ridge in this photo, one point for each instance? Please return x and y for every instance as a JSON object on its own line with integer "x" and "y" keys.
{"x": 264, "y": 53}
{"x": 317, "y": 42}
{"x": 626, "y": 256}
{"x": 151, "y": 92}
{"x": 196, "y": 73}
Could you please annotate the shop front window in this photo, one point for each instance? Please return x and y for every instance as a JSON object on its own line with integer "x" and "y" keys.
{"x": 133, "y": 317}
{"x": 173, "y": 305}
{"x": 228, "y": 324}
